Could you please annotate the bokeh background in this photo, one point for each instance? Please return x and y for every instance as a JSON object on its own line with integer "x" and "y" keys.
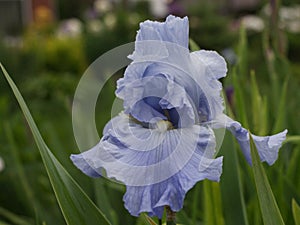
{"x": 46, "y": 45}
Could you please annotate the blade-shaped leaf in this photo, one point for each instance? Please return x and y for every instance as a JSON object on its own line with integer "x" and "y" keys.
{"x": 235, "y": 212}
{"x": 296, "y": 212}
{"x": 295, "y": 138}
{"x": 260, "y": 120}
{"x": 269, "y": 209}
{"x": 183, "y": 218}
{"x": 281, "y": 111}
{"x": 196, "y": 203}
{"x": 231, "y": 185}
{"x": 149, "y": 220}
{"x": 22, "y": 183}
{"x": 193, "y": 45}
{"x": 242, "y": 53}
{"x": 75, "y": 205}
{"x": 212, "y": 203}
{"x": 12, "y": 217}
{"x": 240, "y": 100}
{"x": 4, "y": 223}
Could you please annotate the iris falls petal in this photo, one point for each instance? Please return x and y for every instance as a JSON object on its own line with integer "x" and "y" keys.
{"x": 267, "y": 146}
{"x": 159, "y": 166}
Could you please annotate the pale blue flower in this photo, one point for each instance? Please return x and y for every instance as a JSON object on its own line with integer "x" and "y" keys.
{"x": 163, "y": 143}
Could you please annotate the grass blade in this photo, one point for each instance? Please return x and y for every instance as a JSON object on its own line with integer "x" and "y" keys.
{"x": 231, "y": 185}
{"x": 240, "y": 100}
{"x": 242, "y": 53}
{"x": 296, "y": 212}
{"x": 196, "y": 202}
{"x": 281, "y": 111}
{"x": 28, "y": 195}
{"x": 75, "y": 205}
{"x": 102, "y": 200}
{"x": 149, "y": 220}
{"x": 235, "y": 212}
{"x": 15, "y": 219}
{"x": 212, "y": 203}
{"x": 269, "y": 208}
{"x": 183, "y": 218}
{"x": 260, "y": 120}
{"x": 193, "y": 45}
{"x": 294, "y": 138}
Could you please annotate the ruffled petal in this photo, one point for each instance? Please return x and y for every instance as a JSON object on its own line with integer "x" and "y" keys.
{"x": 174, "y": 29}
{"x": 171, "y": 192}
{"x": 177, "y": 98}
{"x": 209, "y": 67}
{"x": 152, "y": 36}
{"x": 215, "y": 65}
{"x": 196, "y": 73}
{"x": 267, "y": 146}
{"x": 141, "y": 98}
{"x": 153, "y": 98}
{"x": 159, "y": 167}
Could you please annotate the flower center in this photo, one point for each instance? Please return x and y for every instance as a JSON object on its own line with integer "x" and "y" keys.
{"x": 163, "y": 125}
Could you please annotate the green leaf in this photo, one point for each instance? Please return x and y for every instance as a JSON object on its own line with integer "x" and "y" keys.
{"x": 22, "y": 182}
{"x": 294, "y": 138}
{"x": 4, "y": 223}
{"x": 231, "y": 185}
{"x": 242, "y": 65}
{"x": 102, "y": 200}
{"x": 212, "y": 203}
{"x": 15, "y": 219}
{"x": 292, "y": 172}
{"x": 240, "y": 100}
{"x": 259, "y": 108}
{"x": 75, "y": 205}
{"x": 281, "y": 111}
{"x": 269, "y": 209}
{"x": 296, "y": 212}
{"x": 193, "y": 45}
{"x": 183, "y": 218}
{"x": 149, "y": 220}
{"x": 196, "y": 203}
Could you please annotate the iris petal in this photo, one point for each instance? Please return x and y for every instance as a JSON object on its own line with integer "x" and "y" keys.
{"x": 175, "y": 30}
{"x": 160, "y": 167}
{"x": 215, "y": 64}
{"x": 210, "y": 66}
{"x": 152, "y": 37}
{"x": 171, "y": 192}
{"x": 197, "y": 73}
{"x": 147, "y": 98}
{"x": 267, "y": 146}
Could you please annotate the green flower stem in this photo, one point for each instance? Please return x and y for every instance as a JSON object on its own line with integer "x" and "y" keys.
{"x": 171, "y": 216}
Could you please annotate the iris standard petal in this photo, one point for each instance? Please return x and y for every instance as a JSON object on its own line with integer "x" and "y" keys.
{"x": 209, "y": 67}
{"x": 267, "y": 146}
{"x": 174, "y": 29}
{"x": 153, "y": 98}
{"x": 215, "y": 65}
{"x": 136, "y": 95}
{"x": 152, "y": 36}
{"x": 197, "y": 73}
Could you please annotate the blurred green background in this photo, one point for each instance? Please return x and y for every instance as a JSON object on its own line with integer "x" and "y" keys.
{"x": 46, "y": 47}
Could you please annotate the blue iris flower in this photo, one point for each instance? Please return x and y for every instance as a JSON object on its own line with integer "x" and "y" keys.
{"x": 163, "y": 143}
